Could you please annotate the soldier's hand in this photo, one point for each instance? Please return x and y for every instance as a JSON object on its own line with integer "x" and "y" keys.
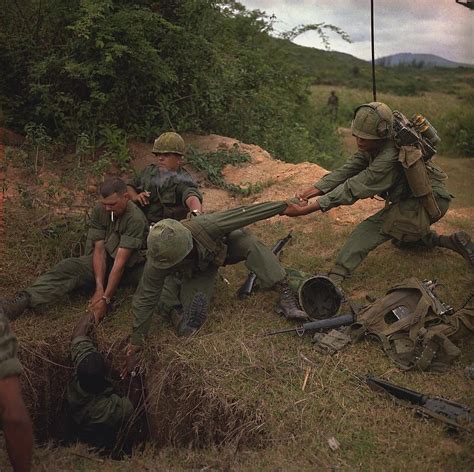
{"x": 301, "y": 198}
{"x": 143, "y": 198}
{"x": 131, "y": 363}
{"x": 98, "y": 294}
{"x": 98, "y": 309}
{"x": 294, "y": 209}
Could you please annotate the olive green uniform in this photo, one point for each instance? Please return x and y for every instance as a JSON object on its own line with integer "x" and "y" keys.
{"x": 9, "y": 363}
{"x": 197, "y": 274}
{"x": 128, "y": 231}
{"x": 105, "y": 412}
{"x": 168, "y": 192}
{"x": 364, "y": 176}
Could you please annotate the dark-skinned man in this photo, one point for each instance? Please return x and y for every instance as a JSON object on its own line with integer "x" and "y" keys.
{"x": 14, "y": 419}
{"x": 99, "y": 415}
{"x": 115, "y": 245}
{"x": 376, "y": 169}
{"x": 194, "y": 249}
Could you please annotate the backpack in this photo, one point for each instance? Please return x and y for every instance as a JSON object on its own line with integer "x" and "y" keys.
{"x": 416, "y": 329}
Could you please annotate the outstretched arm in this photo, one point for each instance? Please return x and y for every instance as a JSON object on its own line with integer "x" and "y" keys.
{"x": 17, "y": 427}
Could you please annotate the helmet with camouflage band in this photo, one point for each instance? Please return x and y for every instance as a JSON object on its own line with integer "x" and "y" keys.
{"x": 169, "y": 143}
{"x": 372, "y": 121}
{"x": 169, "y": 242}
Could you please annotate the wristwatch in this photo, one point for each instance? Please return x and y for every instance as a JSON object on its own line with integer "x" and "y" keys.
{"x": 107, "y": 300}
{"x": 194, "y": 212}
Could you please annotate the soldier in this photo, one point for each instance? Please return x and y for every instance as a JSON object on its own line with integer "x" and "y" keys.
{"x": 14, "y": 418}
{"x": 333, "y": 105}
{"x": 115, "y": 241}
{"x": 166, "y": 190}
{"x": 194, "y": 249}
{"x": 375, "y": 169}
{"x": 98, "y": 415}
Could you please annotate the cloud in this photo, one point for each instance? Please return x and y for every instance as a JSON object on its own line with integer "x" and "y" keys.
{"x": 439, "y": 27}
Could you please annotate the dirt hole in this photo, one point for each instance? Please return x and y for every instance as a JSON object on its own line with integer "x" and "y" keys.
{"x": 182, "y": 409}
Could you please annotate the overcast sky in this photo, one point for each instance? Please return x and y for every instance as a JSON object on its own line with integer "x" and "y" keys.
{"x": 440, "y": 27}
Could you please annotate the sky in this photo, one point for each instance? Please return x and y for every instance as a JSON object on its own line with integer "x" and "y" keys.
{"x": 440, "y": 27}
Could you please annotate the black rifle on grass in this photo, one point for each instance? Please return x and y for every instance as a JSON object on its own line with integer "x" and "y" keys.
{"x": 247, "y": 287}
{"x": 334, "y": 322}
{"x": 456, "y": 415}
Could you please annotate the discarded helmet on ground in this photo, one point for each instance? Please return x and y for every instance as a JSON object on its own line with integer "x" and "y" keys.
{"x": 319, "y": 297}
{"x": 169, "y": 143}
{"x": 169, "y": 242}
{"x": 372, "y": 121}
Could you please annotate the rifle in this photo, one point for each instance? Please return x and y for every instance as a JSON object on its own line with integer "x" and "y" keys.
{"x": 454, "y": 414}
{"x": 247, "y": 287}
{"x": 333, "y": 322}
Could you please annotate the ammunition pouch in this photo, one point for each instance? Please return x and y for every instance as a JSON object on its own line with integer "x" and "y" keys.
{"x": 406, "y": 221}
{"x": 416, "y": 173}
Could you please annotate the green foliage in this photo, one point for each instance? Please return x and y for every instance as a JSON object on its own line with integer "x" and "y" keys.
{"x": 114, "y": 140}
{"x": 37, "y": 143}
{"x": 457, "y": 132}
{"x": 83, "y": 147}
{"x": 212, "y": 163}
{"x": 143, "y": 67}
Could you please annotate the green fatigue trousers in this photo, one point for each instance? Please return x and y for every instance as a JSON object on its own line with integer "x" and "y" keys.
{"x": 71, "y": 274}
{"x": 179, "y": 289}
{"x": 368, "y": 235}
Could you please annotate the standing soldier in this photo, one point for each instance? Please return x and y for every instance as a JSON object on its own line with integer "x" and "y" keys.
{"x": 378, "y": 168}
{"x": 333, "y": 104}
{"x": 14, "y": 418}
{"x": 116, "y": 244}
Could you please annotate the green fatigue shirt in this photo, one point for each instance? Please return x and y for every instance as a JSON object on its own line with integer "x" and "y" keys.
{"x": 128, "y": 231}
{"x": 216, "y": 226}
{"x": 9, "y": 363}
{"x": 168, "y": 192}
{"x": 365, "y": 176}
{"x": 87, "y": 409}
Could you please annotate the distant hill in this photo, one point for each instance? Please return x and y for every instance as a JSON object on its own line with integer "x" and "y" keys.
{"x": 417, "y": 60}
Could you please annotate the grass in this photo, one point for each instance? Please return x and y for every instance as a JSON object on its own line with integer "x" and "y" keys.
{"x": 285, "y": 398}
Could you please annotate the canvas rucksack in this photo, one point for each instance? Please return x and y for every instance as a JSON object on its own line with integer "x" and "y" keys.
{"x": 415, "y": 328}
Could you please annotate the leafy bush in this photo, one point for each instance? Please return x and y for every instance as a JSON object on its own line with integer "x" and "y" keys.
{"x": 110, "y": 67}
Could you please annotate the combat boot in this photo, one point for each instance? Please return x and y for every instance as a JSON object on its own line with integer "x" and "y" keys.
{"x": 288, "y": 306}
{"x": 459, "y": 242}
{"x": 14, "y": 308}
{"x": 187, "y": 323}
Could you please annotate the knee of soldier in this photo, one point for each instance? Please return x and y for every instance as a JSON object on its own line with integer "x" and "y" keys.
{"x": 443, "y": 205}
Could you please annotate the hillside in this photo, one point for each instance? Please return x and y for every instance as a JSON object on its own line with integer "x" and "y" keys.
{"x": 419, "y": 61}
{"x": 228, "y": 398}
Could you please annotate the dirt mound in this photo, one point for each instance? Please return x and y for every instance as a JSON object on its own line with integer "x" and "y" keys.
{"x": 277, "y": 179}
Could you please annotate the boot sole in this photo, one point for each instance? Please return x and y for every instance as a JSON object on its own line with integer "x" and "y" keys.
{"x": 464, "y": 243}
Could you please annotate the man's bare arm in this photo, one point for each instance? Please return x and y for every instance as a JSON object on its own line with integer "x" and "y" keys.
{"x": 99, "y": 266}
{"x": 193, "y": 203}
{"x": 142, "y": 198}
{"x": 17, "y": 427}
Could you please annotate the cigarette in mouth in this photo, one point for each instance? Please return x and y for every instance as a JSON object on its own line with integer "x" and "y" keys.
{"x": 112, "y": 216}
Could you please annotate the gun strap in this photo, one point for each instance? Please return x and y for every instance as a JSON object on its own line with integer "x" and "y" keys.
{"x": 217, "y": 249}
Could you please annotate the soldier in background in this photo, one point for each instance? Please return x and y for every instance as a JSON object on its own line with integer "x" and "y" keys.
{"x": 14, "y": 418}
{"x": 375, "y": 169}
{"x": 333, "y": 105}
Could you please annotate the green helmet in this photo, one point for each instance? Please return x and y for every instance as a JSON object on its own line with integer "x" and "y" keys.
{"x": 169, "y": 242}
{"x": 169, "y": 143}
{"x": 372, "y": 121}
{"x": 319, "y": 297}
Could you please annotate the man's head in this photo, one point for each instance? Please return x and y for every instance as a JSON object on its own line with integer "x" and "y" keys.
{"x": 91, "y": 373}
{"x": 114, "y": 195}
{"x": 371, "y": 125}
{"x": 169, "y": 148}
{"x": 169, "y": 242}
